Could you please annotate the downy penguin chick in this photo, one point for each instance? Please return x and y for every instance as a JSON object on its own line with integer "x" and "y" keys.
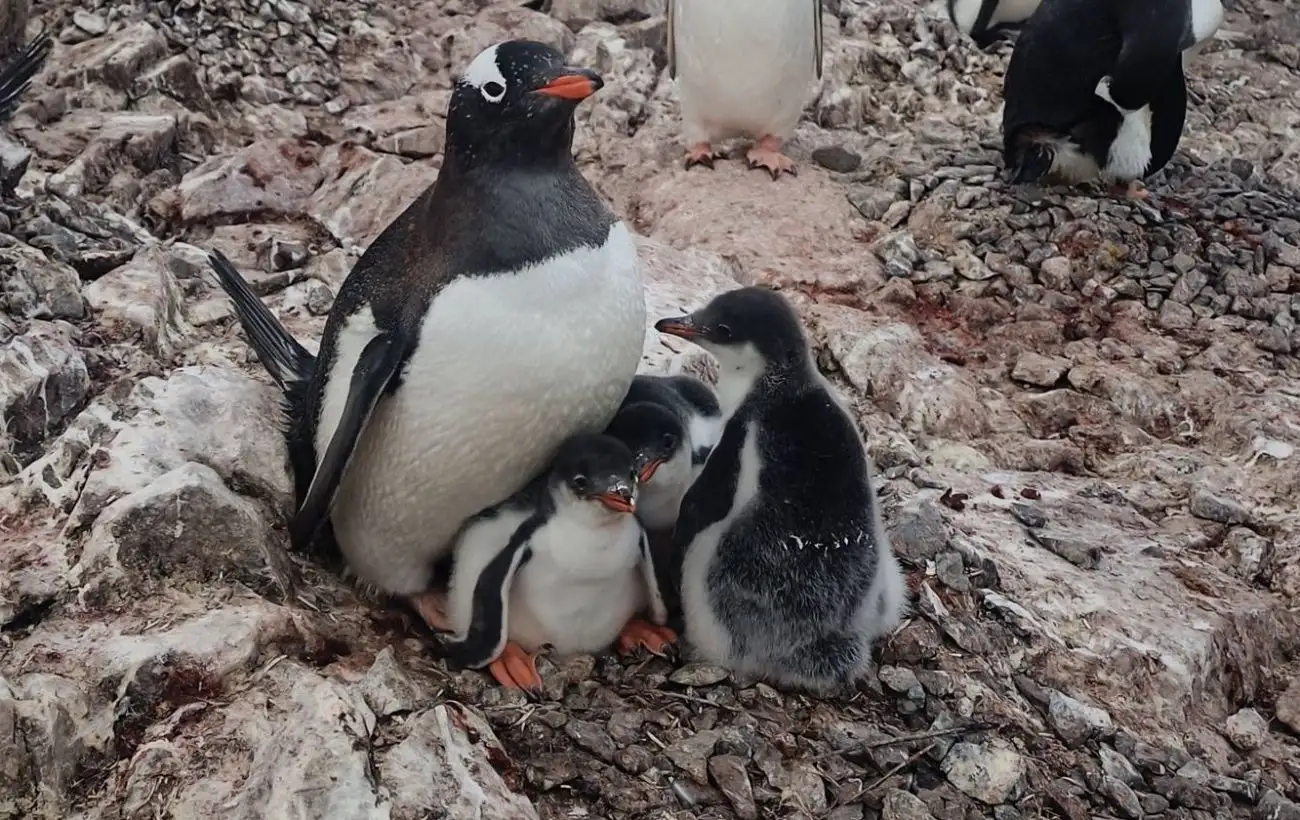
{"x": 502, "y": 312}
{"x": 988, "y": 21}
{"x": 562, "y": 563}
{"x": 1095, "y": 89}
{"x": 787, "y": 572}
{"x": 661, "y": 455}
{"x": 744, "y": 68}
{"x": 694, "y": 403}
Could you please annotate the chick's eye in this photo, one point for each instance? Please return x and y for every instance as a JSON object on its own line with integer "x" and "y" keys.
{"x": 724, "y": 331}
{"x": 580, "y": 483}
{"x": 493, "y": 91}
{"x": 669, "y": 441}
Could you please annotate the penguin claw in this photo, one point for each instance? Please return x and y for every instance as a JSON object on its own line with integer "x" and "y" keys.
{"x": 1130, "y": 190}
{"x": 700, "y": 154}
{"x": 639, "y": 634}
{"x": 766, "y": 153}
{"x": 516, "y": 669}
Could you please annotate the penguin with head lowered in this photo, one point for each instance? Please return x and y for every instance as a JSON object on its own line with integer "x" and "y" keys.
{"x": 562, "y": 563}
{"x": 1095, "y": 89}
{"x": 500, "y": 313}
{"x": 787, "y": 573}
{"x": 744, "y": 69}
{"x": 988, "y": 21}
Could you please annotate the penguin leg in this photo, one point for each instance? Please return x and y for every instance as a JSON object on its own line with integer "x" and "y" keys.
{"x": 429, "y": 606}
{"x": 701, "y": 153}
{"x": 766, "y": 153}
{"x": 1133, "y": 189}
{"x": 642, "y": 634}
{"x": 517, "y": 669}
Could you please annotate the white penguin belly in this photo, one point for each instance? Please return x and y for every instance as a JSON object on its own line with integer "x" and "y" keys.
{"x": 506, "y": 368}
{"x": 579, "y": 590}
{"x": 743, "y": 68}
{"x": 661, "y": 499}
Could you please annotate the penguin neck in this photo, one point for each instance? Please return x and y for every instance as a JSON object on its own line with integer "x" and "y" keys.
{"x": 466, "y": 156}
{"x": 748, "y": 371}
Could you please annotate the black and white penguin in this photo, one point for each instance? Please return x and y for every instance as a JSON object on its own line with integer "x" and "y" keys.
{"x": 500, "y": 313}
{"x": 787, "y": 573}
{"x": 1095, "y": 89}
{"x": 661, "y": 452}
{"x": 693, "y": 401}
{"x": 562, "y": 563}
{"x": 988, "y": 21}
{"x": 19, "y": 72}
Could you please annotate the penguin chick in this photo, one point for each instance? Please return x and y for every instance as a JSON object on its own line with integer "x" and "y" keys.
{"x": 1095, "y": 90}
{"x": 988, "y": 21}
{"x": 662, "y": 457}
{"x": 743, "y": 69}
{"x": 694, "y": 403}
{"x": 787, "y": 572}
{"x": 562, "y": 563}
{"x": 18, "y": 73}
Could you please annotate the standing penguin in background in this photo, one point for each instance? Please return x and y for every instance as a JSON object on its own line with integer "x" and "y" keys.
{"x": 988, "y": 21}
{"x": 562, "y": 563}
{"x": 1095, "y": 89}
{"x": 500, "y": 313}
{"x": 743, "y": 68}
{"x": 787, "y": 571}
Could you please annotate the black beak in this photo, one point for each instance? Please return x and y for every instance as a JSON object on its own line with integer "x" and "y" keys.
{"x": 573, "y": 84}
{"x": 620, "y": 498}
{"x": 680, "y": 326}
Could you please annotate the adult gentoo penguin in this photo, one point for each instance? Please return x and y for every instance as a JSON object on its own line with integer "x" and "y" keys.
{"x": 787, "y": 572}
{"x": 743, "y": 71}
{"x": 987, "y": 21}
{"x": 562, "y": 563}
{"x": 1095, "y": 89}
{"x": 500, "y": 313}
{"x": 18, "y": 73}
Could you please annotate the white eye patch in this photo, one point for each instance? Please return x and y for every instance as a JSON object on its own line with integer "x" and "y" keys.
{"x": 484, "y": 74}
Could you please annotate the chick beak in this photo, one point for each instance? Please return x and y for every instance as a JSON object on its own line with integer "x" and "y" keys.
{"x": 648, "y": 470}
{"x": 680, "y": 326}
{"x": 619, "y": 498}
{"x": 572, "y": 84}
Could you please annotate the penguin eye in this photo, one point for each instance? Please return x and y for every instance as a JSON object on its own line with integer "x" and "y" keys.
{"x": 580, "y": 483}
{"x": 669, "y": 441}
{"x": 723, "y": 332}
{"x": 493, "y": 91}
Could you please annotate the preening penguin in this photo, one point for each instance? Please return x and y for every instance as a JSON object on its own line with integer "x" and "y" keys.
{"x": 1095, "y": 89}
{"x": 500, "y": 313}
{"x": 562, "y": 563}
{"x": 987, "y": 21}
{"x": 743, "y": 69}
{"x": 787, "y": 572}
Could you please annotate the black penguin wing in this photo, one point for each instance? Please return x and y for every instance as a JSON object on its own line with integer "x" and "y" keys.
{"x": 1168, "y": 113}
{"x": 1152, "y": 32}
{"x": 283, "y": 357}
{"x": 487, "y": 633}
{"x": 371, "y": 378}
{"x": 710, "y": 498}
{"x": 817, "y": 37}
{"x": 17, "y": 75}
{"x": 658, "y": 580}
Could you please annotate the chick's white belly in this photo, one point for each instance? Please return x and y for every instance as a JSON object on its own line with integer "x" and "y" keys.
{"x": 573, "y": 616}
{"x": 504, "y": 371}
{"x": 743, "y": 71}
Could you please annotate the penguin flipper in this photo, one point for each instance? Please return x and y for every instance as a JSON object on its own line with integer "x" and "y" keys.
{"x": 18, "y": 74}
{"x": 283, "y": 357}
{"x": 658, "y": 580}
{"x": 670, "y": 47}
{"x": 488, "y": 631}
{"x": 817, "y": 37}
{"x": 374, "y": 372}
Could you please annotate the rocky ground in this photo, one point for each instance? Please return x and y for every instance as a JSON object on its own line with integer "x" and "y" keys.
{"x": 1086, "y": 413}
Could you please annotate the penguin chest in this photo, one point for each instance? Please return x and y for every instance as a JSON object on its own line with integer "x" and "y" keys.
{"x": 580, "y": 588}
{"x": 744, "y": 69}
{"x": 505, "y": 368}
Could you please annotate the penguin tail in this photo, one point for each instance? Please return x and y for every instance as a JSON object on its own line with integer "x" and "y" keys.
{"x": 284, "y": 358}
{"x": 1030, "y": 156}
{"x": 17, "y": 75}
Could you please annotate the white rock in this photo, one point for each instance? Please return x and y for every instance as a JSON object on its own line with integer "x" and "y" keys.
{"x": 1076, "y": 721}
{"x": 1246, "y": 729}
{"x": 142, "y": 297}
{"x": 988, "y": 772}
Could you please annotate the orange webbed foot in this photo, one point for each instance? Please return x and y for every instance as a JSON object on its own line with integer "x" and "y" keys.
{"x": 701, "y": 153}
{"x": 644, "y": 635}
{"x": 766, "y": 153}
{"x": 517, "y": 669}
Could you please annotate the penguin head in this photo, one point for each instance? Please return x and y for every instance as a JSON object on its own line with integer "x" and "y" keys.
{"x": 652, "y": 432}
{"x": 597, "y": 470}
{"x": 746, "y": 330}
{"x": 516, "y": 99}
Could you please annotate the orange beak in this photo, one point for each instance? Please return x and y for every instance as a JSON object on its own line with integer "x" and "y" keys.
{"x": 648, "y": 471}
{"x": 575, "y": 84}
{"x": 617, "y": 503}
{"x": 681, "y": 327}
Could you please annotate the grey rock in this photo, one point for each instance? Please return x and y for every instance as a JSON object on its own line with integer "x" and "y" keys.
{"x": 43, "y": 379}
{"x": 918, "y": 532}
{"x": 141, "y": 298}
{"x": 1288, "y": 706}
{"x": 837, "y": 158}
{"x": 951, "y": 570}
{"x": 691, "y": 754}
{"x": 1124, "y": 798}
{"x": 1118, "y": 766}
{"x": 729, "y": 775}
{"x": 38, "y": 287}
{"x": 1077, "y": 722}
{"x": 1273, "y": 806}
{"x": 1041, "y": 371}
{"x": 989, "y": 772}
{"x": 900, "y": 680}
{"x": 14, "y": 159}
{"x": 389, "y": 689}
{"x": 699, "y": 674}
{"x": 1246, "y": 729}
{"x": 1214, "y": 507}
{"x": 900, "y": 805}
